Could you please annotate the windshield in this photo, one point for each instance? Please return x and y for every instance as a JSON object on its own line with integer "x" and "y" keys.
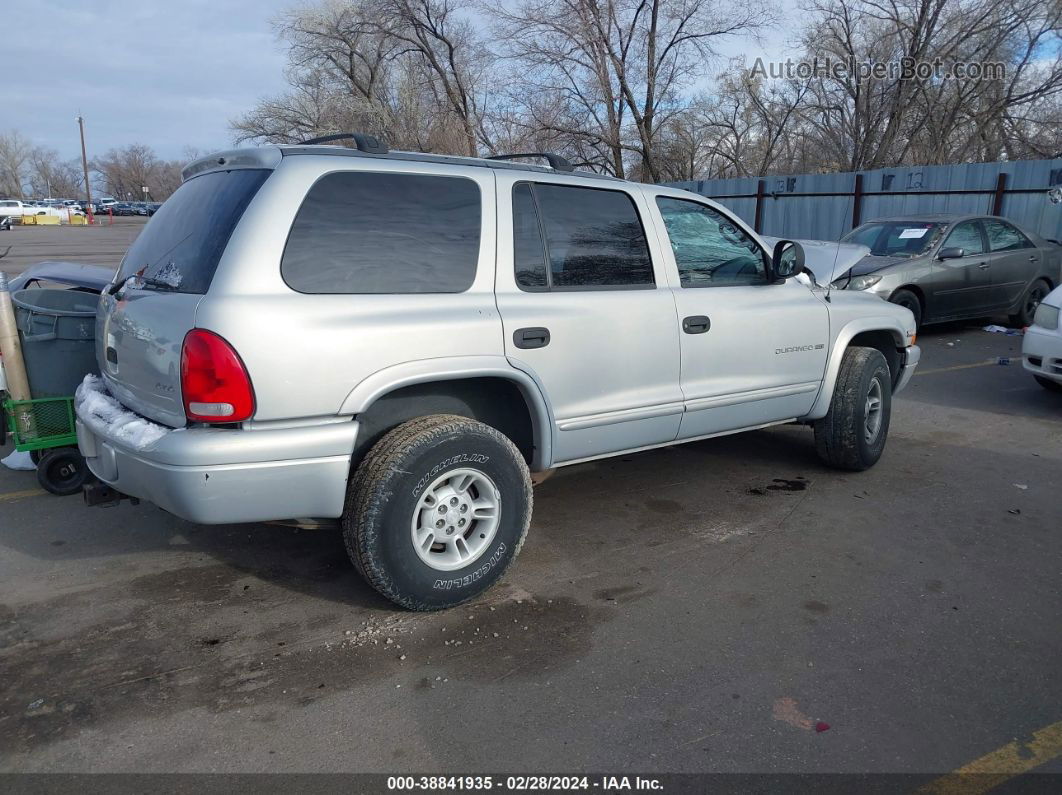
{"x": 180, "y": 247}
{"x": 896, "y": 238}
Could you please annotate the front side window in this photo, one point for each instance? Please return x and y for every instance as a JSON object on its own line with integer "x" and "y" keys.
{"x": 370, "y": 233}
{"x": 710, "y": 249}
{"x": 1004, "y": 237}
{"x": 574, "y": 238}
{"x": 966, "y": 236}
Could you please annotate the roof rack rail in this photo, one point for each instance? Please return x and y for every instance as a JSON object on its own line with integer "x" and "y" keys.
{"x": 363, "y": 142}
{"x": 556, "y": 162}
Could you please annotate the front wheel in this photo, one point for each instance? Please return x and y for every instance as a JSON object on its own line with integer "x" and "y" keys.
{"x": 437, "y": 511}
{"x": 852, "y": 434}
{"x": 909, "y": 300}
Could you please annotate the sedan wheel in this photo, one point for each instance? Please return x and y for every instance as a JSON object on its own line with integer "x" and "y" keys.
{"x": 909, "y": 300}
{"x": 1036, "y": 294}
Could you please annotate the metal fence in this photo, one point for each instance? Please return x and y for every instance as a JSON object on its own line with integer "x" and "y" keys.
{"x": 825, "y": 206}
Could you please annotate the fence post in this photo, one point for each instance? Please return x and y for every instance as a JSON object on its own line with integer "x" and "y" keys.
{"x": 760, "y": 193}
{"x": 857, "y": 201}
{"x": 1001, "y": 189}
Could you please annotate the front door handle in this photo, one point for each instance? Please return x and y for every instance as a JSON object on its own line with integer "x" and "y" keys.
{"x": 531, "y": 338}
{"x": 696, "y": 324}
{"x": 982, "y": 265}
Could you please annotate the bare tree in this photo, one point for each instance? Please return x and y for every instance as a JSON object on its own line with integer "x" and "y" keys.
{"x": 127, "y": 171}
{"x": 407, "y": 70}
{"x": 622, "y": 65}
{"x": 50, "y": 176}
{"x": 611, "y": 83}
{"x": 866, "y": 121}
{"x": 14, "y": 157}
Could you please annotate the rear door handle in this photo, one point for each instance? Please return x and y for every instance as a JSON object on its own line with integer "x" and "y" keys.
{"x": 531, "y": 337}
{"x": 696, "y": 324}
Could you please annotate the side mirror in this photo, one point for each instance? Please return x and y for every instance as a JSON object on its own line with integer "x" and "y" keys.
{"x": 951, "y": 252}
{"x": 787, "y": 260}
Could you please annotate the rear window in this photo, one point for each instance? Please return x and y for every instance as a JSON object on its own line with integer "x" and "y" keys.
{"x": 180, "y": 246}
{"x": 363, "y": 232}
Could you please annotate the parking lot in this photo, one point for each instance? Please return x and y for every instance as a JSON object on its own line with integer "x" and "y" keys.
{"x": 728, "y": 605}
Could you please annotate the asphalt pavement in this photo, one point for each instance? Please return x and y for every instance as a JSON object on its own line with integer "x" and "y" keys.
{"x": 729, "y": 605}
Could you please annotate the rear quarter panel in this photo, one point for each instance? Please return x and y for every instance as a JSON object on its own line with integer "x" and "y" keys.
{"x": 305, "y": 353}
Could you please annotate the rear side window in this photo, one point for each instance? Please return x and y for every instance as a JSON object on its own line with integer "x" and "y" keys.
{"x": 180, "y": 247}
{"x": 1004, "y": 237}
{"x": 361, "y": 232}
{"x": 572, "y": 238}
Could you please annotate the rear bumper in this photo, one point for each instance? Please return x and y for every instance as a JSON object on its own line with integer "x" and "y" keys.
{"x": 221, "y": 476}
{"x": 912, "y": 357}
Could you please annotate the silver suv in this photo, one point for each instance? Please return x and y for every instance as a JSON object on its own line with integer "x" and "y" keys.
{"x": 397, "y": 340}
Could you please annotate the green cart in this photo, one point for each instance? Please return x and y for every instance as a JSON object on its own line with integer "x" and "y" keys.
{"x": 45, "y": 429}
{"x": 56, "y": 329}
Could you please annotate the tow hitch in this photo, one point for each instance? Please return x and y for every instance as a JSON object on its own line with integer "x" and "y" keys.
{"x": 102, "y": 494}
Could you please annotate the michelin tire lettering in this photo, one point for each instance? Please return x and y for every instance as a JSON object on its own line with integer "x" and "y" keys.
{"x": 468, "y": 579}
{"x": 460, "y": 458}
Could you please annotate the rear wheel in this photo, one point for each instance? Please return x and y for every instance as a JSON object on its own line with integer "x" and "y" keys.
{"x": 852, "y": 434}
{"x": 1036, "y": 293}
{"x": 437, "y": 511}
{"x": 1048, "y": 384}
{"x": 909, "y": 300}
{"x": 62, "y": 471}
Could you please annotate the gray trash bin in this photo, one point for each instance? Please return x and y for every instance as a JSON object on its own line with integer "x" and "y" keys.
{"x": 57, "y": 329}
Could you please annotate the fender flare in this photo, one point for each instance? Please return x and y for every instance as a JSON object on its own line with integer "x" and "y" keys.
{"x": 840, "y": 344}
{"x": 451, "y": 368}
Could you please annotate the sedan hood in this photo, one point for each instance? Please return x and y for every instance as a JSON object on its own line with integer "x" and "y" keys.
{"x": 828, "y": 259}
{"x": 871, "y": 264}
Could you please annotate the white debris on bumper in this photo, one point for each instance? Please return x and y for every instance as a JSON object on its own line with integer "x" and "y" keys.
{"x": 98, "y": 409}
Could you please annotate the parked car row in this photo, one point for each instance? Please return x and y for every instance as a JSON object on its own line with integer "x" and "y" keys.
{"x": 135, "y": 208}
{"x": 16, "y": 208}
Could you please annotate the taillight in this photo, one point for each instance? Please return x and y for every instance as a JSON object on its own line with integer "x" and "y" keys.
{"x": 214, "y": 382}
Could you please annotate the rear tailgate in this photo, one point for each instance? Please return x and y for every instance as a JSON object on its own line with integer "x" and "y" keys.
{"x": 138, "y": 346}
{"x": 144, "y": 316}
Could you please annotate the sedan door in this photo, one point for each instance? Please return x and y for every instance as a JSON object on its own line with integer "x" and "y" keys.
{"x": 1014, "y": 262}
{"x": 962, "y": 286}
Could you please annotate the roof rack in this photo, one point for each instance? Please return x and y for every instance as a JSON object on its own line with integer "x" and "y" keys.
{"x": 556, "y": 162}
{"x": 363, "y": 142}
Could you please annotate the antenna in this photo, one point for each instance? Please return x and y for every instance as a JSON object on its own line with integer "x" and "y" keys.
{"x": 837, "y": 249}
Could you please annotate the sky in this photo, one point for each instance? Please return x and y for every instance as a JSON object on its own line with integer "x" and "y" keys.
{"x": 167, "y": 74}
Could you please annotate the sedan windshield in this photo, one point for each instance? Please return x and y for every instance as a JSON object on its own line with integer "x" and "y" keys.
{"x": 896, "y": 238}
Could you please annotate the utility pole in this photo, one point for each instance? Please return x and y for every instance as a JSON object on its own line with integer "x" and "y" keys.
{"x": 84, "y": 161}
